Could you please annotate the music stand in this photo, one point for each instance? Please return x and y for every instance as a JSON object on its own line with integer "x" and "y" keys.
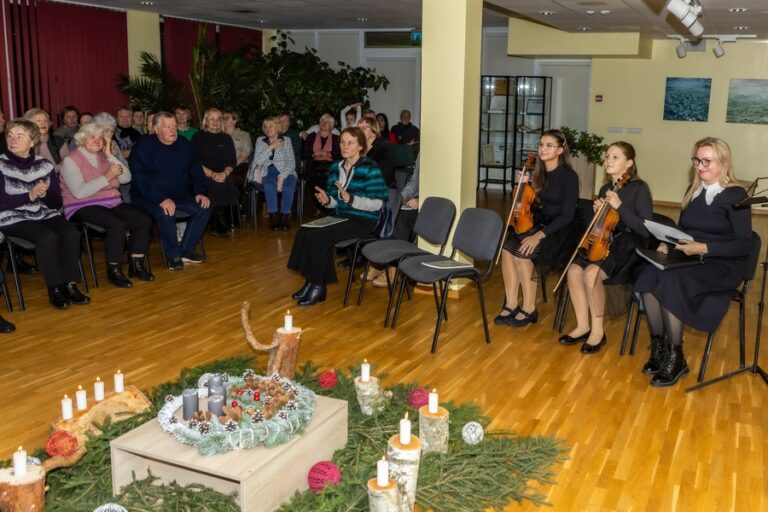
{"x": 753, "y": 198}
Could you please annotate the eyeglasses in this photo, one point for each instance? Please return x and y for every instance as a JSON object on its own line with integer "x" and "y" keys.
{"x": 548, "y": 145}
{"x": 704, "y": 162}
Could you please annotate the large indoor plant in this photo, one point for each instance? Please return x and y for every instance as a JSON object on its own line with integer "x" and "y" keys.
{"x": 587, "y": 152}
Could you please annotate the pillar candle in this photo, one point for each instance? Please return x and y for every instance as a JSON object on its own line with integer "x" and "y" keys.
{"x": 81, "y": 398}
{"x": 19, "y": 463}
{"x": 66, "y": 408}
{"x": 119, "y": 382}
{"x": 405, "y": 430}
{"x": 98, "y": 390}
{"x": 190, "y": 403}
{"x": 432, "y": 407}
{"x": 216, "y": 405}
{"x": 382, "y": 472}
{"x": 365, "y": 371}
{"x": 288, "y": 321}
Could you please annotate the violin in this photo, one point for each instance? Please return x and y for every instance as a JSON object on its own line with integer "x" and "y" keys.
{"x": 523, "y": 198}
{"x": 595, "y": 244}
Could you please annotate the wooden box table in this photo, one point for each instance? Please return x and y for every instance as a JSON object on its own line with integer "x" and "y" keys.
{"x": 263, "y": 478}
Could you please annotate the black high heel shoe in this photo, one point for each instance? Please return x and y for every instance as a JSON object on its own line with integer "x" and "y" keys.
{"x": 569, "y": 340}
{"x": 528, "y": 318}
{"x": 315, "y": 294}
{"x": 502, "y": 319}
{"x": 302, "y": 292}
{"x": 593, "y": 349}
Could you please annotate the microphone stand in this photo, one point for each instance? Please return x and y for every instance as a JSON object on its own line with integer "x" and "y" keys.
{"x": 755, "y": 369}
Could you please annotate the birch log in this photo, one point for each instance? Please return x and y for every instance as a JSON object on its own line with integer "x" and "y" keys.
{"x": 283, "y": 350}
{"x": 369, "y": 396}
{"x": 404, "y": 468}
{"x": 383, "y": 499}
{"x": 22, "y": 494}
{"x": 433, "y": 430}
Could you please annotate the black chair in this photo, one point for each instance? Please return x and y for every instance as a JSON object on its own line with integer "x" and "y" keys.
{"x": 478, "y": 235}
{"x": 739, "y": 296}
{"x": 433, "y": 224}
{"x": 183, "y": 217}
{"x": 91, "y": 232}
{"x": 402, "y": 159}
{"x": 3, "y": 284}
{"x": 353, "y": 246}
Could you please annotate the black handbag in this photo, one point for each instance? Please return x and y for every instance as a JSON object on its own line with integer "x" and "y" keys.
{"x": 385, "y": 227}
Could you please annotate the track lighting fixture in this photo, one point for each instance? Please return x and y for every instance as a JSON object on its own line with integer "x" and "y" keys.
{"x": 718, "y": 50}
{"x": 688, "y": 12}
{"x": 681, "y": 49}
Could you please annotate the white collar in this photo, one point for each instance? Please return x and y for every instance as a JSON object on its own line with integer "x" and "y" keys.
{"x": 711, "y": 192}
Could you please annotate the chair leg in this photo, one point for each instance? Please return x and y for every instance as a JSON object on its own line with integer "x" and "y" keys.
{"x": 351, "y": 277}
{"x": 82, "y": 275}
{"x": 392, "y": 295}
{"x": 16, "y": 280}
{"x": 636, "y": 330}
{"x": 435, "y": 292}
{"x": 543, "y": 281}
{"x": 399, "y": 301}
{"x": 363, "y": 281}
{"x": 705, "y": 357}
{"x": 627, "y": 325}
{"x": 440, "y": 311}
{"x": 742, "y": 334}
{"x": 481, "y": 296}
{"x": 89, "y": 254}
{"x": 6, "y": 296}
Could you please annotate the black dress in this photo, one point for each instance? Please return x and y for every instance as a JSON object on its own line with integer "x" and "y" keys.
{"x": 216, "y": 151}
{"x": 700, "y": 295}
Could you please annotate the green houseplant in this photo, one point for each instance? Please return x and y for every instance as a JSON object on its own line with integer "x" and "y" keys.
{"x": 589, "y": 145}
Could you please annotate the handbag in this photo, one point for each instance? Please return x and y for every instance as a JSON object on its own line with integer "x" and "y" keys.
{"x": 385, "y": 227}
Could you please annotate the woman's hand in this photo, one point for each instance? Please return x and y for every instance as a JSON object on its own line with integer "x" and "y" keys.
{"x": 321, "y": 196}
{"x": 108, "y": 147}
{"x": 276, "y": 144}
{"x": 113, "y": 172}
{"x": 530, "y": 243}
{"x": 38, "y": 191}
{"x": 692, "y": 248}
{"x": 343, "y": 194}
{"x": 613, "y": 199}
{"x": 597, "y": 203}
{"x": 280, "y": 183}
{"x": 662, "y": 248}
{"x": 219, "y": 177}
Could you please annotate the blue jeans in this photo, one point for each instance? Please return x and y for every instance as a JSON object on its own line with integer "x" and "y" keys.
{"x": 270, "y": 191}
{"x": 166, "y": 225}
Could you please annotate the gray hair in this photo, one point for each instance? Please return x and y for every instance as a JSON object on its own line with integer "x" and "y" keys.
{"x": 87, "y": 130}
{"x": 30, "y": 114}
{"x": 162, "y": 115}
{"x": 105, "y": 119}
{"x": 328, "y": 117}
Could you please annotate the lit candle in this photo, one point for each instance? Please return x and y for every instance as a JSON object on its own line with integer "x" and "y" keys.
{"x": 19, "y": 463}
{"x": 119, "y": 382}
{"x": 66, "y": 408}
{"x": 98, "y": 390}
{"x": 288, "y": 321}
{"x": 81, "y": 398}
{"x": 382, "y": 472}
{"x": 432, "y": 407}
{"x": 365, "y": 371}
{"x": 405, "y": 430}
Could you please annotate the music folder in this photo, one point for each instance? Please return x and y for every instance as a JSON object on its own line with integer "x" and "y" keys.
{"x": 671, "y": 259}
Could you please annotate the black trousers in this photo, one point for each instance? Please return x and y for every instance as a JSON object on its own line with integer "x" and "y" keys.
{"x": 117, "y": 221}
{"x": 406, "y": 220}
{"x": 312, "y": 251}
{"x": 57, "y": 247}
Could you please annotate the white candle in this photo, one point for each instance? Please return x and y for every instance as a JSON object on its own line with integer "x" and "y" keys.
{"x": 19, "y": 463}
{"x": 119, "y": 382}
{"x": 365, "y": 371}
{"x": 98, "y": 390}
{"x": 288, "y": 321}
{"x": 81, "y": 398}
{"x": 66, "y": 408}
{"x": 432, "y": 407}
{"x": 382, "y": 472}
{"x": 405, "y": 430}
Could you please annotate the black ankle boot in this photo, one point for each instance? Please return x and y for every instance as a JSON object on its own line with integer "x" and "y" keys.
{"x": 315, "y": 294}
{"x": 658, "y": 347}
{"x": 74, "y": 295}
{"x": 137, "y": 269}
{"x": 220, "y": 227}
{"x": 672, "y": 368}
{"x": 57, "y": 298}
{"x": 285, "y": 221}
{"x": 6, "y": 326}
{"x": 303, "y": 291}
{"x": 274, "y": 221}
{"x": 116, "y": 277}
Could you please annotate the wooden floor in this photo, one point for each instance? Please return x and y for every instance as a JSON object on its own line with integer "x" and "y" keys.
{"x": 631, "y": 447}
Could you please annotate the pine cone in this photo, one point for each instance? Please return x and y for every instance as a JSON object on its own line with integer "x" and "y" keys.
{"x": 230, "y": 426}
{"x": 292, "y": 405}
{"x": 193, "y": 423}
{"x": 257, "y": 417}
{"x": 204, "y": 427}
{"x": 282, "y": 415}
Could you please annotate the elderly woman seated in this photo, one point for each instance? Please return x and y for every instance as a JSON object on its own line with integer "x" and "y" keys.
{"x": 319, "y": 150}
{"x": 355, "y": 192}
{"x": 90, "y": 187}
{"x": 29, "y": 197}
{"x": 51, "y": 146}
{"x": 274, "y": 166}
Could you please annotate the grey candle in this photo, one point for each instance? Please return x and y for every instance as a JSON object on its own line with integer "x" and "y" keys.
{"x": 217, "y": 387}
{"x": 216, "y": 404}
{"x": 191, "y": 403}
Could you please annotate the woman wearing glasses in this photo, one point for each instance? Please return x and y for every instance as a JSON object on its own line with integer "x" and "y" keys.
{"x": 553, "y": 237}
{"x": 698, "y": 295}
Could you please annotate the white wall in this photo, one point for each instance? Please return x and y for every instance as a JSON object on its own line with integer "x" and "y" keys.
{"x": 570, "y": 91}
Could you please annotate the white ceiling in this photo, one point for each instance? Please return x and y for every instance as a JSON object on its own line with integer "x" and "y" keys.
{"x": 646, "y": 16}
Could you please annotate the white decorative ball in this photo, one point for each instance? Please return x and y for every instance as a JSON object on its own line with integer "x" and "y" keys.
{"x": 110, "y": 507}
{"x": 472, "y": 432}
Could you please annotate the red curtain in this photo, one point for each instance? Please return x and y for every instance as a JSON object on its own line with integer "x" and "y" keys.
{"x": 232, "y": 38}
{"x": 62, "y": 54}
{"x": 179, "y": 36}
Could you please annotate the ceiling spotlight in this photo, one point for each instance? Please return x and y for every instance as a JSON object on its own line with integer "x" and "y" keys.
{"x": 362, "y": 20}
{"x": 546, "y": 13}
{"x": 682, "y": 49}
{"x": 605, "y": 11}
{"x": 688, "y": 12}
{"x": 741, "y": 27}
{"x": 584, "y": 29}
{"x": 590, "y": 12}
{"x": 147, "y": 3}
{"x": 737, "y": 10}
{"x": 718, "y": 50}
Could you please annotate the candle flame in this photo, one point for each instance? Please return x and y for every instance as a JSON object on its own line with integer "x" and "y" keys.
{"x": 287, "y": 312}
{"x": 406, "y": 415}
{"x": 79, "y": 388}
{"x": 434, "y": 390}
{"x": 19, "y": 448}
{"x": 98, "y": 379}
{"x": 65, "y": 397}
{"x": 383, "y": 457}
{"x": 118, "y": 371}
{"x": 365, "y": 361}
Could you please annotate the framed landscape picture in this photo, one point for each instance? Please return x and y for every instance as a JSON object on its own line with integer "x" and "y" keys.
{"x": 747, "y": 101}
{"x": 687, "y": 99}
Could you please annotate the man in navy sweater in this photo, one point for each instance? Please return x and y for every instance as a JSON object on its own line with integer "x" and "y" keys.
{"x": 168, "y": 177}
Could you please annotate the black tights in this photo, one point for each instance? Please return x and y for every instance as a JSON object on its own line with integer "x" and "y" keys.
{"x": 661, "y": 321}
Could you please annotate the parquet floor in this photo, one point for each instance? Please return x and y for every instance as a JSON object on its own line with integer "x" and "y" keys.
{"x": 630, "y": 447}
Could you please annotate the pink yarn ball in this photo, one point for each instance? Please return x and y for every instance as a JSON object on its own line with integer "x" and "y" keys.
{"x": 418, "y": 397}
{"x": 328, "y": 379}
{"x": 322, "y": 473}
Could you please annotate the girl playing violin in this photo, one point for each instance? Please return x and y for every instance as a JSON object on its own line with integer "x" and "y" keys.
{"x": 550, "y": 240}
{"x": 587, "y": 279}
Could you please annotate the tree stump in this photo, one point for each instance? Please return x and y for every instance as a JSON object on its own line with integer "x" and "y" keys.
{"x": 404, "y": 468}
{"x": 369, "y": 396}
{"x": 383, "y": 499}
{"x": 283, "y": 351}
{"x": 23, "y": 494}
{"x": 433, "y": 430}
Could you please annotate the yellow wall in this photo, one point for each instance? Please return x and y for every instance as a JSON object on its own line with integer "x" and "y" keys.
{"x": 143, "y": 36}
{"x": 633, "y": 97}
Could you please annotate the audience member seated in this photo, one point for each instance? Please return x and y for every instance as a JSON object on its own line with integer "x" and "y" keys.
{"x": 378, "y": 148}
{"x": 85, "y": 118}
{"x": 351, "y": 114}
{"x": 291, "y": 133}
{"x": 319, "y": 151}
{"x": 90, "y": 187}
{"x": 125, "y": 134}
{"x": 108, "y": 123}
{"x": 51, "y": 147}
{"x": 3, "y": 144}
{"x": 183, "y": 120}
{"x": 149, "y": 125}
{"x": 216, "y": 151}
{"x": 407, "y": 133}
{"x": 69, "y": 119}
{"x": 29, "y": 196}
{"x": 243, "y": 144}
{"x": 273, "y": 165}
{"x": 167, "y": 176}
{"x": 354, "y": 191}
{"x": 383, "y": 121}
{"x": 139, "y": 121}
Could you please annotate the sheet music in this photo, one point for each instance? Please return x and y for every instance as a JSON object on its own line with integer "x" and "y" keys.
{"x": 666, "y": 233}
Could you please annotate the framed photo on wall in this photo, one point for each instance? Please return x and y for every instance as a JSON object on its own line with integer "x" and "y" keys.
{"x": 747, "y": 101}
{"x": 687, "y": 99}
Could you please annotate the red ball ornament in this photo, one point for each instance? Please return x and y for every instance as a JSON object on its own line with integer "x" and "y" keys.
{"x": 61, "y": 442}
{"x": 234, "y": 403}
{"x": 257, "y": 396}
{"x": 418, "y": 397}
{"x": 239, "y": 392}
{"x": 323, "y": 473}
{"x": 328, "y": 379}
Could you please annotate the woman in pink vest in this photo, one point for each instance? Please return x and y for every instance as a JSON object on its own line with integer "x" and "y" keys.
{"x": 90, "y": 188}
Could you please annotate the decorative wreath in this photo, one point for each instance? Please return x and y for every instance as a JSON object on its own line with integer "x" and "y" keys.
{"x": 260, "y": 411}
